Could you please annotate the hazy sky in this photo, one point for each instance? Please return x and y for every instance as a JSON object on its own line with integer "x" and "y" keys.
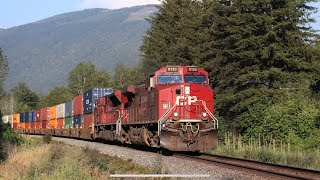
{"x": 18, "y": 12}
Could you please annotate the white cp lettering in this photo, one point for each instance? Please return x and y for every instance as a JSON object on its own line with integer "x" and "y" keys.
{"x": 182, "y": 100}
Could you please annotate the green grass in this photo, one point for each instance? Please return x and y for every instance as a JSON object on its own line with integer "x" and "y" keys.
{"x": 270, "y": 151}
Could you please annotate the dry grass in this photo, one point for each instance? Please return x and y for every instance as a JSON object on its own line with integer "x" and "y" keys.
{"x": 37, "y": 160}
{"x": 268, "y": 151}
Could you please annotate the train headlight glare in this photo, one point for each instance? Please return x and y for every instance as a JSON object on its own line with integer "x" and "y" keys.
{"x": 187, "y": 90}
{"x": 204, "y": 114}
{"x": 175, "y": 114}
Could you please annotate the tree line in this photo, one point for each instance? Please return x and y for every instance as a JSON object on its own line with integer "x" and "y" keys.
{"x": 83, "y": 77}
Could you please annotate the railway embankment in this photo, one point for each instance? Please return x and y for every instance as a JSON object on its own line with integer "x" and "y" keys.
{"x": 273, "y": 152}
{"x": 157, "y": 163}
{"x": 38, "y": 159}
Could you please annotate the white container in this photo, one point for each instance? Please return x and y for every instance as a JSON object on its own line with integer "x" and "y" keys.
{"x": 61, "y": 111}
{"x": 10, "y": 119}
{"x": 5, "y": 119}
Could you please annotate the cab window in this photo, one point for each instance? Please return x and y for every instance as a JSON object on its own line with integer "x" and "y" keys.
{"x": 169, "y": 79}
{"x": 197, "y": 79}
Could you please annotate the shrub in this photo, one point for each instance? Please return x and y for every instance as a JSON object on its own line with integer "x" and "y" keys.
{"x": 47, "y": 138}
{"x": 9, "y": 139}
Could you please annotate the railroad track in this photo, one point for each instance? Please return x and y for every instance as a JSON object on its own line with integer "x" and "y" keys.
{"x": 266, "y": 170}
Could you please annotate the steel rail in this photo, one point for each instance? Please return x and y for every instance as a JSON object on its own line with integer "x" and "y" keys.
{"x": 267, "y": 170}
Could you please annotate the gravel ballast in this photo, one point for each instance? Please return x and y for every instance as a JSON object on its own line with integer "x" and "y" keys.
{"x": 156, "y": 161}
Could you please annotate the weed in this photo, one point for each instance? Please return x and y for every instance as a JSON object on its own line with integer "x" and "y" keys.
{"x": 268, "y": 150}
{"x": 47, "y": 138}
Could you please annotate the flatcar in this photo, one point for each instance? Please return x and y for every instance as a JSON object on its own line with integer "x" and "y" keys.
{"x": 173, "y": 109}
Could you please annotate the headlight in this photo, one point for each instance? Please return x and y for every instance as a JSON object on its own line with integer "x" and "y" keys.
{"x": 187, "y": 90}
{"x": 175, "y": 114}
{"x": 204, "y": 114}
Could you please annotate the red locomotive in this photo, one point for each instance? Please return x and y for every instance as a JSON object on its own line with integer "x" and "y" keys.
{"x": 173, "y": 109}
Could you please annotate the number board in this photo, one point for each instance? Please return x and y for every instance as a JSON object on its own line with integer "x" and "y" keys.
{"x": 192, "y": 69}
{"x": 172, "y": 69}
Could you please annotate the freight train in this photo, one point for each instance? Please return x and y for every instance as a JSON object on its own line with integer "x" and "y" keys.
{"x": 173, "y": 109}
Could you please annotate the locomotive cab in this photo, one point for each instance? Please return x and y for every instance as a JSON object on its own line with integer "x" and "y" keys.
{"x": 186, "y": 107}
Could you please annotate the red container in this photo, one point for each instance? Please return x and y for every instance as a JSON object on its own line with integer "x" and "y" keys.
{"x": 78, "y": 105}
{"x": 32, "y": 125}
{"x": 88, "y": 120}
{"x": 38, "y": 112}
{"x": 15, "y": 125}
{"x": 27, "y": 126}
{"x": 60, "y": 123}
{"x": 38, "y": 125}
{"x": 44, "y": 124}
{"x": 45, "y": 114}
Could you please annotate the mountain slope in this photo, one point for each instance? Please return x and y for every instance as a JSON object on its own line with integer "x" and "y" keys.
{"x": 44, "y": 52}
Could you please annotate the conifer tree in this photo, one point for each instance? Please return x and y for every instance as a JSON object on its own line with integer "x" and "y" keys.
{"x": 261, "y": 49}
{"x": 172, "y": 39}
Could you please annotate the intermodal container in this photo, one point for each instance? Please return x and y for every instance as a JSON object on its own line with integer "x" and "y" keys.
{"x": 53, "y": 112}
{"x": 33, "y": 116}
{"x": 26, "y": 117}
{"x": 61, "y": 110}
{"x": 78, "y": 105}
{"x": 15, "y": 125}
{"x": 38, "y": 113}
{"x": 33, "y": 124}
{"x": 10, "y": 119}
{"x": 38, "y": 124}
{"x": 60, "y": 123}
{"x": 77, "y": 121}
{"x": 44, "y": 124}
{"x": 68, "y": 122}
{"x": 22, "y": 125}
{"x": 5, "y": 119}
{"x": 68, "y": 108}
{"x": 22, "y": 120}
{"x": 27, "y": 126}
{"x": 16, "y": 118}
{"x": 88, "y": 120}
{"x": 90, "y": 97}
{"x": 53, "y": 123}
{"x": 45, "y": 114}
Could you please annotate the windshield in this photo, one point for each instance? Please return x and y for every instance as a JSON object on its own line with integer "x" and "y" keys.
{"x": 198, "y": 79}
{"x": 163, "y": 79}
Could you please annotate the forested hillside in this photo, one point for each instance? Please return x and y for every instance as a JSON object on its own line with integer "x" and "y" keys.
{"x": 43, "y": 53}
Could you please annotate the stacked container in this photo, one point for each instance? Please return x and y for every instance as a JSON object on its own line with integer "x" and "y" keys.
{"x": 15, "y": 120}
{"x": 38, "y": 122}
{"x": 60, "y": 115}
{"x": 44, "y": 117}
{"x": 27, "y": 120}
{"x": 5, "y": 119}
{"x": 22, "y": 123}
{"x": 53, "y": 117}
{"x": 78, "y": 111}
{"x": 89, "y": 99}
{"x": 68, "y": 120}
{"x": 33, "y": 119}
